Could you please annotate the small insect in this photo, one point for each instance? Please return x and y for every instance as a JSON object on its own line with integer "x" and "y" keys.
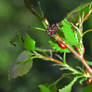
{"x": 62, "y": 45}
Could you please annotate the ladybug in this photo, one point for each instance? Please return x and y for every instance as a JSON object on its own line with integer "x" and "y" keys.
{"x": 62, "y": 45}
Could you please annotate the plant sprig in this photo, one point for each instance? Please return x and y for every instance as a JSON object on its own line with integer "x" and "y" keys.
{"x": 65, "y": 37}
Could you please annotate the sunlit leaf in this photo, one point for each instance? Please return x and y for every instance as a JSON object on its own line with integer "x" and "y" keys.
{"x": 68, "y": 32}
{"x": 88, "y": 88}
{"x": 44, "y": 88}
{"x": 55, "y": 46}
{"x": 22, "y": 65}
{"x": 29, "y": 43}
{"x": 47, "y": 88}
{"x": 68, "y": 88}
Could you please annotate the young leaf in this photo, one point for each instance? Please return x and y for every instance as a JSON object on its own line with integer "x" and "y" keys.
{"x": 88, "y": 88}
{"x": 74, "y": 15}
{"x": 69, "y": 86}
{"x": 29, "y": 43}
{"x": 22, "y": 65}
{"x": 44, "y": 88}
{"x": 57, "y": 48}
{"x": 34, "y": 6}
{"x": 41, "y": 29}
{"x": 68, "y": 32}
{"x": 15, "y": 39}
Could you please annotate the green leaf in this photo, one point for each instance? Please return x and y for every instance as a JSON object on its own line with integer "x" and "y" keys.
{"x": 41, "y": 29}
{"x": 74, "y": 15}
{"x": 68, "y": 88}
{"x": 68, "y": 32}
{"x": 78, "y": 36}
{"x": 48, "y": 88}
{"x": 57, "y": 48}
{"x": 44, "y": 88}
{"x": 22, "y": 65}
{"x": 29, "y": 43}
{"x": 88, "y": 88}
{"x": 53, "y": 88}
{"x": 89, "y": 62}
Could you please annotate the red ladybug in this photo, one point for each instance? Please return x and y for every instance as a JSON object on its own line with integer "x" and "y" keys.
{"x": 62, "y": 45}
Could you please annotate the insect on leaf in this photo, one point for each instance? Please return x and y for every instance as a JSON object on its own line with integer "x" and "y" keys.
{"x": 29, "y": 43}
{"x": 22, "y": 65}
{"x": 57, "y": 48}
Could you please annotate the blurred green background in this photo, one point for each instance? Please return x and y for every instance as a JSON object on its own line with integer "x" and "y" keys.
{"x": 15, "y": 16}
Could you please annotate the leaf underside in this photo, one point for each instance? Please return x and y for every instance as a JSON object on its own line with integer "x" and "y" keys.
{"x": 21, "y": 66}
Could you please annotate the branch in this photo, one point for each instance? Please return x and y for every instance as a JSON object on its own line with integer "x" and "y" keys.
{"x": 58, "y": 62}
{"x": 75, "y": 53}
{"x": 89, "y": 30}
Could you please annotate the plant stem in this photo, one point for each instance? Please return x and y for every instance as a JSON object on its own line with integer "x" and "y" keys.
{"x": 57, "y": 61}
{"x": 51, "y": 59}
{"x": 43, "y": 50}
{"x": 90, "y": 11}
{"x": 81, "y": 58}
{"x": 28, "y": 5}
{"x": 89, "y": 30}
{"x": 64, "y": 58}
